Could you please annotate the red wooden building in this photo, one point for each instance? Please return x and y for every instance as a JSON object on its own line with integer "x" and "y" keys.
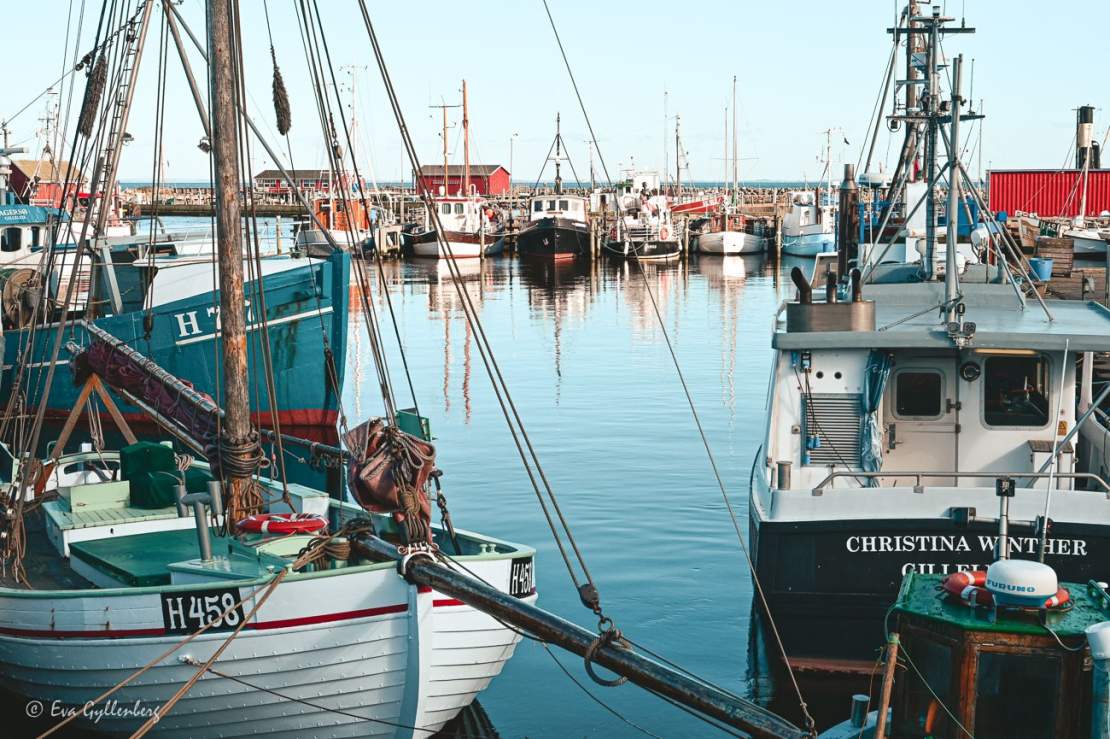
{"x": 1048, "y": 192}
{"x": 40, "y": 182}
{"x": 485, "y": 179}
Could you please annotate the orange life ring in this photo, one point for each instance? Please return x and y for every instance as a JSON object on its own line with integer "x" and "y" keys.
{"x": 664, "y": 233}
{"x": 970, "y": 588}
{"x": 283, "y": 523}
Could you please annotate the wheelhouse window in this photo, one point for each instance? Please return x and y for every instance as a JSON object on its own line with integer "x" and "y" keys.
{"x": 1015, "y": 391}
{"x": 918, "y": 394}
{"x": 445, "y": 209}
{"x": 538, "y": 206}
{"x": 1016, "y": 695}
{"x": 564, "y": 205}
{"x": 458, "y": 209}
{"x": 920, "y": 716}
{"x": 11, "y": 239}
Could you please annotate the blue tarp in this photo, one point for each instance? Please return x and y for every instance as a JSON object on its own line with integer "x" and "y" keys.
{"x": 875, "y": 376}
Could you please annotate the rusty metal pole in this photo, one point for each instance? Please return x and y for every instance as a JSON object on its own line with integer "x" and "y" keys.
{"x": 225, "y": 150}
{"x": 888, "y": 682}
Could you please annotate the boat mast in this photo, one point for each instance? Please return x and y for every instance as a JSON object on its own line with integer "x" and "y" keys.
{"x": 558, "y": 154}
{"x": 446, "y": 182}
{"x": 237, "y": 433}
{"x": 735, "y": 145}
{"x": 951, "y": 286}
{"x": 728, "y": 189}
{"x": 677, "y": 159}
{"x": 466, "y": 146}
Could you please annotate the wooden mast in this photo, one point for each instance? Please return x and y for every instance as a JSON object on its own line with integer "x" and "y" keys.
{"x": 466, "y": 146}
{"x": 225, "y": 152}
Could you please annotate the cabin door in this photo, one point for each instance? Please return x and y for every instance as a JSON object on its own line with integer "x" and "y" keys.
{"x": 921, "y": 418}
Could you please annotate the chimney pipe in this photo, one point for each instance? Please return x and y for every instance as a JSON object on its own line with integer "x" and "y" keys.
{"x": 1086, "y": 148}
{"x": 830, "y": 287}
{"x": 857, "y": 287}
{"x": 847, "y": 225}
{"x": 805, "y": 292}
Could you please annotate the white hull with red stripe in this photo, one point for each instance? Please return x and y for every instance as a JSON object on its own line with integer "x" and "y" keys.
{"x": 353, "y": 651}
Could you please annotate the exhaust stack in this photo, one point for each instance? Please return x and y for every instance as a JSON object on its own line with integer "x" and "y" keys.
{"x": 1086, "y": 148}
{"x": 847, "y": 225}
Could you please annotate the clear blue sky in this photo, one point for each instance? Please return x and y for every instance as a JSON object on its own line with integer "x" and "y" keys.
{"x": 802, "y": 67}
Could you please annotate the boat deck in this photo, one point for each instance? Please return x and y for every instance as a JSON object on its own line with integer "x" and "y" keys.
{"x": 918, "y": 596}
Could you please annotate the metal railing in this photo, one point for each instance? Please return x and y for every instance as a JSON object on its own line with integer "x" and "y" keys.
{"x": 819, "y": 489}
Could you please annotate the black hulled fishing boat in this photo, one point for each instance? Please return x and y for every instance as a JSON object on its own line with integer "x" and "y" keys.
{"x": 558, "y": 224}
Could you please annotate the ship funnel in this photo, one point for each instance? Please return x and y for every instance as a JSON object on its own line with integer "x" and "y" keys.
{"x": 847, "y": 224}
{"x": 1086, "y": 148}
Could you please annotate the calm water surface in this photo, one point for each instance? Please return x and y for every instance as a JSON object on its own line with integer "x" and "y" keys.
{"x": 585, "y": 360}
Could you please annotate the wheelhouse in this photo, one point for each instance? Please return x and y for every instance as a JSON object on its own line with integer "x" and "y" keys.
{"x": 561, "y": 205}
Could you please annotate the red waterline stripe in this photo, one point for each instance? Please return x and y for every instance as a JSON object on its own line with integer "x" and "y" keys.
{"x": 329, "y": 617}
{"x": 280, "y": 624}
{"x": 447, "y": 602}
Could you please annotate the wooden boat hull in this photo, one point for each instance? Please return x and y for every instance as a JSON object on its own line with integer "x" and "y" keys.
{"x": 555, "y": 238}
{"x": 306, "y": 301}
{"x": 461, "y": 245}
{"x": 653, "y": 250}
{"x": 367, "y": 651}
{"x": 731, "y": 242}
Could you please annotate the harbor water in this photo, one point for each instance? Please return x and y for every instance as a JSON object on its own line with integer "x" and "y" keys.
{"x": 583, "y": 354}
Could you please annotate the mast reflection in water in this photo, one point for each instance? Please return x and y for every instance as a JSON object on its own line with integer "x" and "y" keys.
{"x": 581, "y": 350}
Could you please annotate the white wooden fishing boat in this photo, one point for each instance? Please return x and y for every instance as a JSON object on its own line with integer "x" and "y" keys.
{"x": 731, "y": 242}
{"x": 348, "y": 650}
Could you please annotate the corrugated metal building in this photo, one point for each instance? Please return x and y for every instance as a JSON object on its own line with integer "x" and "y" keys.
{"x": 1048, "y": 192}
{"x": 485, "y": 179}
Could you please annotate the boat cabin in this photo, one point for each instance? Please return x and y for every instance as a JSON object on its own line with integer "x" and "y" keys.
{"x": 24, "y": 231}
{"x": 467, "y": 215}
{"x": 570, "y": 207}
{"x": 887, "y": 429}
{"x": 1002, "y": 673}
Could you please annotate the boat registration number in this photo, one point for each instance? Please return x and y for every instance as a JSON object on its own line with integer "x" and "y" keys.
{"x": 186, "y": 612}
{"x": 521, "y": 583}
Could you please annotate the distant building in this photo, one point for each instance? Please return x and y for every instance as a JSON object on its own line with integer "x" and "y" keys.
{"x": 1048, "y": 192}
{"x": 485, "y": 179}
{"x": 40, "y": 182}
{"x": 309, "y": 181}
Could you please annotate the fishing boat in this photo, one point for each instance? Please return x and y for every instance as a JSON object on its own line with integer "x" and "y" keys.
{"x": 644, "y": 229}
{"x": 737, "y": 235}
{"x": 893, "y": 409}
{"x": 807, "y": 227}
{"x": 468, "y": 229}
{"x": 468, "y": 224}
{"x": 558, "y": 224}
{"x": 155, "y": 568}
{"x": 557, "y": 227}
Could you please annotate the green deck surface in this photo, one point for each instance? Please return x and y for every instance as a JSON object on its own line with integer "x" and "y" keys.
{"x": 920, "y": 595}
{"x": 143, "y": 560}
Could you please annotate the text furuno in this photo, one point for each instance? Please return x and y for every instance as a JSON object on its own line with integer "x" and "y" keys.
{"x": 960, "y": 543}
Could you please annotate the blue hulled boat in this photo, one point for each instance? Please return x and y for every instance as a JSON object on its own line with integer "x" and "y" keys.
{"x": 306, "y": 305}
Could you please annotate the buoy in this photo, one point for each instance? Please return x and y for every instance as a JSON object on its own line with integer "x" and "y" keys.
{"x": 1008, "y": 582}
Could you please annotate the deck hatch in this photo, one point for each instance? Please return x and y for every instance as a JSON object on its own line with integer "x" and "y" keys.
{"x": 832, "y": 428}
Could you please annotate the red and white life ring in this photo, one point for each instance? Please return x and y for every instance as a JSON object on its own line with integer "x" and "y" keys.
{"x": 664, "y": 233}
{"x": 970, "y": 587}
{"x": 283, "y": 523}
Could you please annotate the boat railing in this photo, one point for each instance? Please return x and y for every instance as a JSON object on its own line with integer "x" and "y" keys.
{"x": 918, "y": 475}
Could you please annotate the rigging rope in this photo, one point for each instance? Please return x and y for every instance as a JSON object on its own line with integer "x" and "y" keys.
{"x": 587, "y": 591}
{"x": 810, "y": 724}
